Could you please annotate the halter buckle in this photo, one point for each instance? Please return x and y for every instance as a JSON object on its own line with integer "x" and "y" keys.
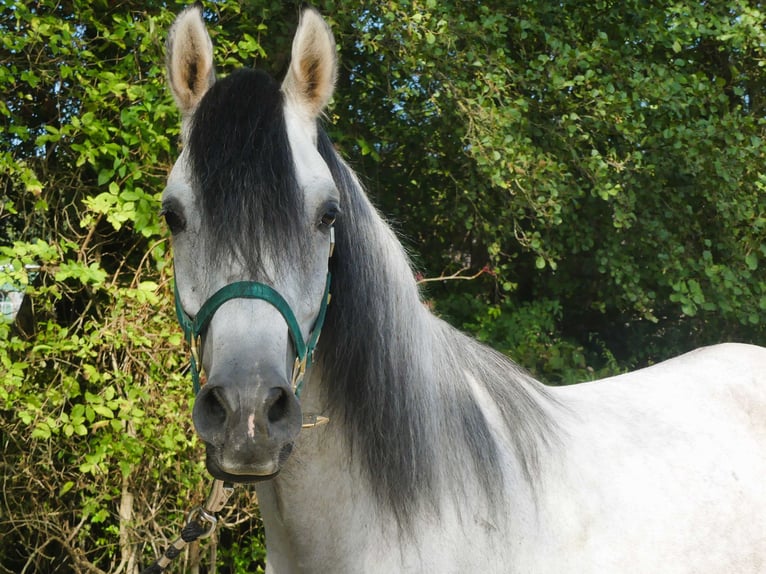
{"x": 311, "y": 421}
{"x": 194, "y": 348}
{"x": 299, "y": 371}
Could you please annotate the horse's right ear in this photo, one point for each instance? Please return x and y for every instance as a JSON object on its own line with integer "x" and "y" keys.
{"x": 189, "y": 59}
{"x": 310, "y": 80}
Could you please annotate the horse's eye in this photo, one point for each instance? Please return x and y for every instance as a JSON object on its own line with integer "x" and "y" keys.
{"x": 176, "y": 222}
{"x": 329, "y": 217}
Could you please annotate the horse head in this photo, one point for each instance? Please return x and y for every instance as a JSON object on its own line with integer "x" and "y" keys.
{"x": 251, "y": 207}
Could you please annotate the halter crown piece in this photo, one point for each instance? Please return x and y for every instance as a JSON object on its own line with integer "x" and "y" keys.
{"x": 194, "y": 329}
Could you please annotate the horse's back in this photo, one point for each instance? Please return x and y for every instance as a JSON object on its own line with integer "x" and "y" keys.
{"x": 726, "y": 382}
{"x": 719, "y": 387}
{"x": 662, "y": 469}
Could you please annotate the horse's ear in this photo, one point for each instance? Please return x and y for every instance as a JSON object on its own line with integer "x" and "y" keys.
{"x": 310, "y": 80}
{"x": 189, "y": 59}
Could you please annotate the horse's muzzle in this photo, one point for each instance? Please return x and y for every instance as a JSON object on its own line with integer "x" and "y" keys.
{"x": 248, "y": 428}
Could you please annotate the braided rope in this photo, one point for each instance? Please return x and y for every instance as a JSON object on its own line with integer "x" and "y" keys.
{"x": 200, "y": 523}
{"x": 191, "y": 532}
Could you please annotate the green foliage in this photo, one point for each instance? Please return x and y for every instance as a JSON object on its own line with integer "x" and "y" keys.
{"x": 242, "y": 549}
{"x": 607, "y": 157}
{"x": 603, "y": 160}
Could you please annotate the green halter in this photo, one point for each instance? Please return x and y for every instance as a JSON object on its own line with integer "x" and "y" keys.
{"x": 194, "y": 329}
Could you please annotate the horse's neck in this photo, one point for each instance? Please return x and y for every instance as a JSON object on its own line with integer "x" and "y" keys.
{"x": 320, "y": 515}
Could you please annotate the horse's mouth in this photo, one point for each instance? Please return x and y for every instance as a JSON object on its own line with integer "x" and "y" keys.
{"x": 245, "y": 473}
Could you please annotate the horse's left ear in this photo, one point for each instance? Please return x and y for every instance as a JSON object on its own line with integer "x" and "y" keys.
{"x": 310, "y": 81}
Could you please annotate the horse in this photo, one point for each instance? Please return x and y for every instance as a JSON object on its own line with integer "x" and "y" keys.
{"x": 395, "y": 443}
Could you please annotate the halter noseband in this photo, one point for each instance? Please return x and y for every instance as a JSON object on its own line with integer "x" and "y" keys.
{"x": 194, "y": 329}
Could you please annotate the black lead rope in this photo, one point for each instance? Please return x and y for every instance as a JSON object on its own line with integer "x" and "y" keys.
{"x": 200, "y": 523}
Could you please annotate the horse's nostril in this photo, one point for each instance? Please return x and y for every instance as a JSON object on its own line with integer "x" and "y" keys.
{"x": 211, "y": 412}
{"x": 277, "y": 404}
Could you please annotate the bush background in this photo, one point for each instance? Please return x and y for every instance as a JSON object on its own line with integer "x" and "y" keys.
{"x": 598, "y": 168}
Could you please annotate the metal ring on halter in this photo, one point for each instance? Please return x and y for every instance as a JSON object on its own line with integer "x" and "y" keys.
{"x": 299, "y": 371}
{"x": 200, "y": 513}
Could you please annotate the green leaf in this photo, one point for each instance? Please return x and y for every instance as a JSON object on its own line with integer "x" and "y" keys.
{"x": 104, "y": 175}
{"x": 751, "y": 260}
{"x": 104, "y": 411}
{"x": 41, "y": 431}
{"x": 66, "y": 487}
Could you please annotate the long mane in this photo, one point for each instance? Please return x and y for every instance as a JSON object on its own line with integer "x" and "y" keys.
{"x": 397, "y": 377}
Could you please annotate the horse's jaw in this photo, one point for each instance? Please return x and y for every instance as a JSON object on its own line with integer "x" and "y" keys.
{"x": 244, "y": 473}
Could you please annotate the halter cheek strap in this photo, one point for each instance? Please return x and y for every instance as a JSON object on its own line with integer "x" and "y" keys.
{"x": 194, "y": 329}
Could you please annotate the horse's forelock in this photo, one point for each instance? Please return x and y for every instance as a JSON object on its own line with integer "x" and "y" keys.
{"x": 243, "y": 171}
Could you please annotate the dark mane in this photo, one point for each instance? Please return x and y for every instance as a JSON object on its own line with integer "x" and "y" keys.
{"x": 374, "y": 393}
{"x": 242, "y": 164}
{"x": 395, "y": 374}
